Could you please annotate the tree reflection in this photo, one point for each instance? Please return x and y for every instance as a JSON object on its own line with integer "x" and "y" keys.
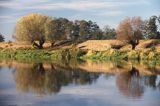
{"x": 151, "y": 81}
{"x": 42, "y": 80}
{"x": 129, "y": 83}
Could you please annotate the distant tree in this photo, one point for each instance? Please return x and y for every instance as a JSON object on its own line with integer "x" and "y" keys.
{"x": 83, "y": 30}
{"x": 144, "y": 29}
{"x": 87, "y": 30}
{"x": 108, "y": 33}
{"x": 33, "y": 29}
{"x": 152, "y": 28}
{"x": 158, "y": 28}
{"x": 129, "y": 30}
{"x": 94, "y": 30}
{"x": 1, "y": 38}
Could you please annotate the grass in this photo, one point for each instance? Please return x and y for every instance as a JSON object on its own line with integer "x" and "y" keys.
{"x": 121, "y": 55}
{"x": 94, "y": 50}
{"x": 34, "y": 54}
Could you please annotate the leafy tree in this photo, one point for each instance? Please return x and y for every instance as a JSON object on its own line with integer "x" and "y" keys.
{"x": 1, "y": 38}
{"x": 158, "y": 28}
{"x": 83, "y": 30}
{"x": 33, "y": 28}
{"x": 152, "y": 28}
{"x": 144, "y": 29}
{"x": 129, "y": 30}
{"x": 87, "y": 30}
{"x": 94, "y": 30}
{"x": 54, "y": 31}
{"x": 108, "y": 33}
{"x": 60, "y": 29}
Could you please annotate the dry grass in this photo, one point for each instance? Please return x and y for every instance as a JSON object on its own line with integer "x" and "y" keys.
{"x": 100, "y": 45}
{"x": 147, "y": 44}
{"x": 103, "y": 45}
{"x": 94, "y": 45}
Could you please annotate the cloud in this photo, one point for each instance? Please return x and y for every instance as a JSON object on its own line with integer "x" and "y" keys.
{"x": 109, "y": 13}
{"x": 5, "y": 17}
{"x": 84, "y": 5}
{"x": 81, "y": 5}
{"x": 9, "y": 18}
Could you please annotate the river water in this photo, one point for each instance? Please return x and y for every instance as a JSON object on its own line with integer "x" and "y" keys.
{"x": 79, "y": 84}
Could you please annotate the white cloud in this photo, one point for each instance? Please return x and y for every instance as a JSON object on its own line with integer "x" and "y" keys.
{"x": 74, "y": 5}
{"x": 109, "y": 13}
{"x": 6, "y": 17}
{"x": 85, "y": 5}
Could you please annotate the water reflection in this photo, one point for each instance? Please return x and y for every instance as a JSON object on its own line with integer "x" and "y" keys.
{"x": 50, "y": 80}
{"x": 131, "y": 84}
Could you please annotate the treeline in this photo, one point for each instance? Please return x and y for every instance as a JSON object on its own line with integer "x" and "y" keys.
{"x": 38, "y": 29}
{"x": 1, "y": 38}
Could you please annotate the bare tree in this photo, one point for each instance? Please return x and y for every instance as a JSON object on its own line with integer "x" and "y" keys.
{"x": 129, "y": 30}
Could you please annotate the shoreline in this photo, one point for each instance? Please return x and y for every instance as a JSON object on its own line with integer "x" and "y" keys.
{"x": 73, "y": 53}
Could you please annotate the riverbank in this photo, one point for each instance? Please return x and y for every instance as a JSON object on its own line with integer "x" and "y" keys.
{"x": 74, "y": 53}
{"x": 92, "y": 49}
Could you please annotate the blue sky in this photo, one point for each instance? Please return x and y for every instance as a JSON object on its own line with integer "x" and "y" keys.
{"x": 104, "y": 12}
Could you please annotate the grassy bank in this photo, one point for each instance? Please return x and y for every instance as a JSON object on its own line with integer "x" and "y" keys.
{"x": 45, "y": 54}
{"x": 91, "y": 49}
{"x": 72, "y": 53}
{"x": 122, "y": 55}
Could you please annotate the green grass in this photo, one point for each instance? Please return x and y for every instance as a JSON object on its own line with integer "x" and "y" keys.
{"x": 73, "y": 53}
{"x": 25, "y": 54}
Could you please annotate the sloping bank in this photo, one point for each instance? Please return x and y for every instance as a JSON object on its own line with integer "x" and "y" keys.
{"x": 91, "y": 49}
{"x": 72, "y": 53}
{"x": 40, "y": 55}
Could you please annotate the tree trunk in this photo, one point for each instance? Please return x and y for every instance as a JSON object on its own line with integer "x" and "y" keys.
{"x": 35, "y": 44}
{"x": 41, "y": 42}
{"x": 52, "y": 44}
{"x": 134, "y": 71}
{"x": 134, "y": 44}
{"x": 39, "y": 45}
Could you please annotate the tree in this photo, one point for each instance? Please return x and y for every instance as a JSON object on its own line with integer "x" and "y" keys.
{"x": 144, "y": 29}
{"x": 83, "y": 30}
{"x": 158, "y": 28}
{"x": 94, "y": 30}
{"x": 33, "y": 29}
{"x": 108, "y": 33}
{"x": 87, "y": 30}
{"x": 129, "y": 30}
{"x": 1, "y": 38}
{"x": 60, "y": 29}
{"x": 152, "y": 28}
{"x": 54, "y": 31}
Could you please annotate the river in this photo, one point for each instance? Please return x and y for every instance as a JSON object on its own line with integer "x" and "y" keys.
{"x": 83, "y": 83}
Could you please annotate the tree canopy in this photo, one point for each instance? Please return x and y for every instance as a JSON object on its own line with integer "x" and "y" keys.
{"x": 32, "y": 28}
{"x": 129, "y": 30}
{"x": 37, "y": 29}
